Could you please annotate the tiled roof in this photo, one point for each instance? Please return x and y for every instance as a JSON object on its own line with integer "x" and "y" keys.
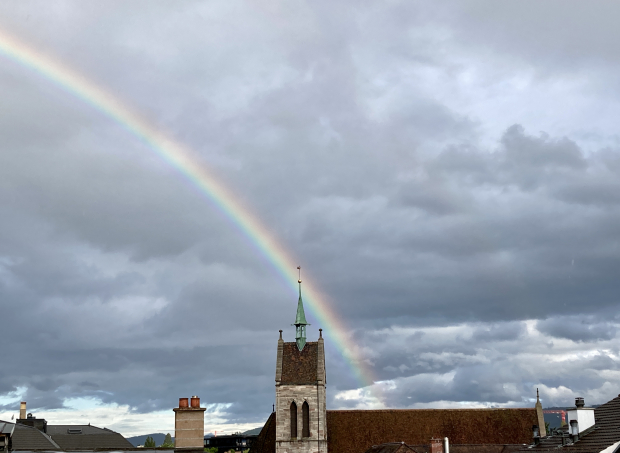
{"x": 356, "y": 431}
{"x": 300, "y": 367}
{"x": 28, "y": 438}
{"x": 471, "y": 448}
{"x": 86, "y": 429}
{"x": 6, "y": 427}
{"x": 110, "y": 441}
{"x": 266, "y": 440}
{"x": 605, "y": 433}
{"x": 393, "y": 447}
{"x": 489, "y": 430}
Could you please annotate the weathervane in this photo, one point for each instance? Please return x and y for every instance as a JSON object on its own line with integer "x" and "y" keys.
{"x": 299, "y": 269}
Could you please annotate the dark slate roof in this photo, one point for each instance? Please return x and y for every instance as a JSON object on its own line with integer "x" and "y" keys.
{"x": 6, "y": 427}
{"x": 605, "y": 433}
{"x": 355, "y": 431}
{"x": 91, "y": 438}
{"x": 266, "y": 440}
{"x": 86, "y": 429}
{"x": 469, "y": 430}
{"x": 300, "y": 367}
{"x": 110, "y": 441}
{"x": 28, "y": 438}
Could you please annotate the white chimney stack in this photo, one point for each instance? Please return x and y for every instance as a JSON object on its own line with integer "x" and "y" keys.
{"x": 583, "y": 416}
{"x": 22, "y": 410}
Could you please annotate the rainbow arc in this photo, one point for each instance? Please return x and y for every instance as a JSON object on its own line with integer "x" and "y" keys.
{"x": 182, "y": 159}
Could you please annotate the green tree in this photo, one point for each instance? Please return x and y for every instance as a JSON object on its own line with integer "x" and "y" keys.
{"x": 168, "y": 442}
{"x": 211, "y": 450}
{"x": 149, "y": 442}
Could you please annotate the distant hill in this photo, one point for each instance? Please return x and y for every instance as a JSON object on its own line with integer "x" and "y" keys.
{"x": 139, "y": 440}
{"x": 159, "y": 437}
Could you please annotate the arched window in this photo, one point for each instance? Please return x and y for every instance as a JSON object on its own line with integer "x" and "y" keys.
{"x": 305, "y": 415}
{"x": 293, "y": 420}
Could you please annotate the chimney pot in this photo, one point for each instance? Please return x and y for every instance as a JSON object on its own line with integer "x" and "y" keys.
{"x": 579, "y": 402}
{"x": 574, "y": 428}
{"x": 183, "y": 402}
{"x": 195, "y": 402}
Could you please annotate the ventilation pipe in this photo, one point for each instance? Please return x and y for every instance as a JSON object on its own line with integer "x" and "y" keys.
{"x": 446, "y": 445}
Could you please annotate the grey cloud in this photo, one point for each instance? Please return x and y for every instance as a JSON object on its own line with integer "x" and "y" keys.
{"x": 387, "y": 149}
{"x": 577, "y": 328}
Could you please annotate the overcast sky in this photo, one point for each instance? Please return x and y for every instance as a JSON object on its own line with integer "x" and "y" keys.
{"x": 449, "y": 172}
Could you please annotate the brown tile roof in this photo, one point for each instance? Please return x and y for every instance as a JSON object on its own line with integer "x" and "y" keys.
{"x": 300, "y": 367}
{"x": 393, "y": 447}
{"x": 356, "y": 431}
{"x": 266, "y": 440}
{"x": 471, "y": 448}
{"x": 605, "y": 433}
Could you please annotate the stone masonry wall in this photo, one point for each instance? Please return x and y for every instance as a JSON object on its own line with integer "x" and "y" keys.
{"x": 314, "y": 395}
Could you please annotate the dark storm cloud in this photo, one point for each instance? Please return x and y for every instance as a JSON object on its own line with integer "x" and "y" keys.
{"x": 396, "y": 151}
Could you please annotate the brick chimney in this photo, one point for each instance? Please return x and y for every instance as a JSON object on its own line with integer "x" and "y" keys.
{"x": 189, "y": 426}
{"x": 436, "y": 445}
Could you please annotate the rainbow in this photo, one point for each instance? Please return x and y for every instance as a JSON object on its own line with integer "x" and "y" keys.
{"x": 181, "y": 159}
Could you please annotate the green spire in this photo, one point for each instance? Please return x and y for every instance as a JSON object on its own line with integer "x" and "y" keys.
{"x": 300, "y": 320}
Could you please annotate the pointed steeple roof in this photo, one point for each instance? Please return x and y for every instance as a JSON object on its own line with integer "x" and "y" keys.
{"x": 301, "y": 315}
{"x": 300, "y": 320}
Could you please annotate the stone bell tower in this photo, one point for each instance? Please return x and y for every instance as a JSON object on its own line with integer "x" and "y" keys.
{"x": 300, "y": 391}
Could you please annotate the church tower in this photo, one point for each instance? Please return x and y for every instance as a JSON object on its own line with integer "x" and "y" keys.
{"x": 300, "y": 391}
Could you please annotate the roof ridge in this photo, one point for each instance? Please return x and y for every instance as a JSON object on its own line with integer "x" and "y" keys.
{"x": 446, "y": 409}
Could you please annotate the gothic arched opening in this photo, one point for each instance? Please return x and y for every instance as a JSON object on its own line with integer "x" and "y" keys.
{"x": 293, "y": 420}
{"x": 305, "y": 415}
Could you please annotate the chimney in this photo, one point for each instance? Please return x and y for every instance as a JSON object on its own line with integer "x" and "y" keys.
{"x": 22, "y": 410}
{"x": 536, "y": 434}
{"x": 436, "y": 446}
{"x": 446, "y": 445}
{"x": 580, "y": 418}
{"x": 189, "y": 426}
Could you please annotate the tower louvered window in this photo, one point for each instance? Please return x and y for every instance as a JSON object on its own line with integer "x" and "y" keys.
{"x": 293, "y": 420}
{"x": 305, "y": 414}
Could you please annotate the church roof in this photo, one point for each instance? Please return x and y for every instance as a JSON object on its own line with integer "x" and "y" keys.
{"x": 391, "y": 447}
{"x": 266, "y": 440}
{"x": 300, "y": 367}
{"x": 355, "y": 431}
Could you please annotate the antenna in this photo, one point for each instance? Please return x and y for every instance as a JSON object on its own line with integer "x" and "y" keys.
{"x": 299, "y": 269}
